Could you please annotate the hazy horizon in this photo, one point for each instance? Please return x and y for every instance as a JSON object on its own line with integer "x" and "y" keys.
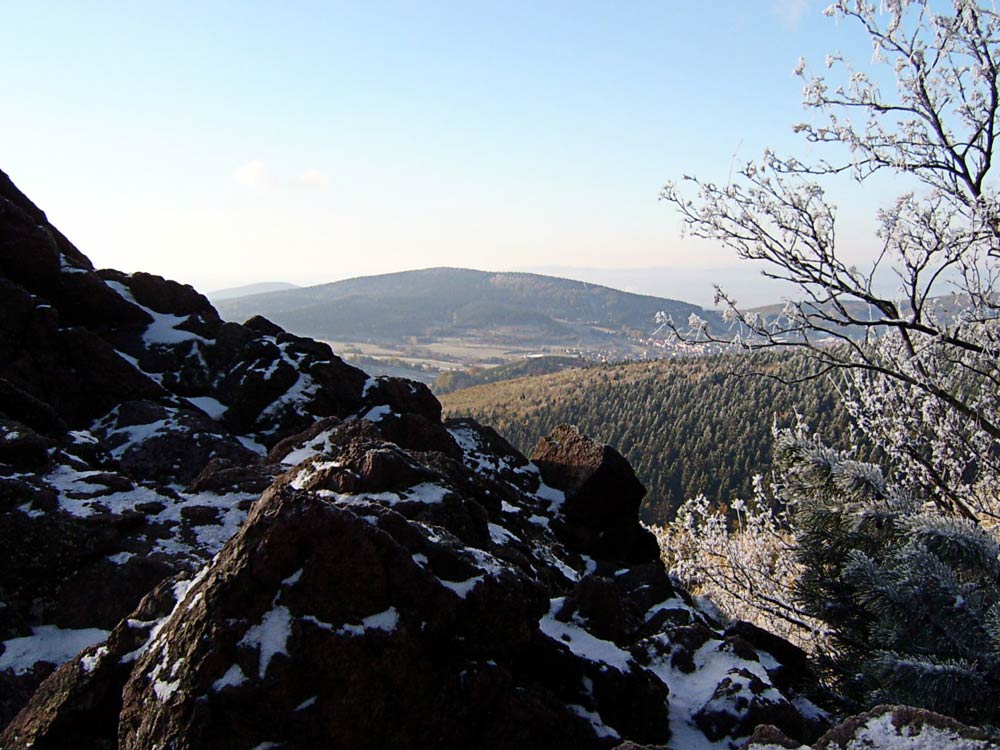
{"x": 225, "y": 145}
{"x": 693, "y": 285}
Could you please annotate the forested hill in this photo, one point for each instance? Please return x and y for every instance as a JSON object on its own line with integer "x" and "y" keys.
{"x": 688, "y": 426}
{"x": 454, "y": 380}
{"x": 450, "y": 301}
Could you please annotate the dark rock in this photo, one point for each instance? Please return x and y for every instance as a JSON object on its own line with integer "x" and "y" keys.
{"x": 733, "y": 644}
{"x": 743, "y": 701}
{"x": 120, "y": 587}
{"x": 686, "y": 641}
{"x": 103, "y": 378}
{"x": 404, "y": 397}
{"x": 41, "y": 554}
{"x": 21, "y": 406}
{"x": 15, "y": 492}
{"x": 627, "y": 541}
{"x": 22, "y": 447}
{"x": 597, "y": 601}
{"x": 377, "y": 470}
{"x": 794, "y": 670}
{"x": 170, "y": 297}
{"x": 28, "y": 214}
{"x": 318, "y": 429}
{"x": 28, "y": 253}
{"x": 417, "y": 432}
{"x": 282, "y": 570}
{"x": 601, "y": 488}
{"x": 69, "y": 368}
{"x": 79, "y": 705}
{"x": 223, "y": 476}
{"x": 491, "y": 442}
{"x": 17, "y": 689}
{"x": 84, "y": 299}
{"x": 602, "y": 497}
{"x": 669, "y": 618}
{"x": 645, "y": 585}
{"x": 260, "y": 324}
{"x": 174, "y": 445}
{"x": 38, "y": 258}
{"x": 111, "y": 482}
{"x": 44, "y": 499}
{"x": 201, "y": 515}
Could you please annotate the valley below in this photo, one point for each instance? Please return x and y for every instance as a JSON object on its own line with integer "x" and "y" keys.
{"x": 421, "y": 324}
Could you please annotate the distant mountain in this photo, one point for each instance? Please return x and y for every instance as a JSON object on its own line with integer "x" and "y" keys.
{"x": 441, "y": 302}
{"x": 741, "y": 280}
{"x": 250, "y": 289}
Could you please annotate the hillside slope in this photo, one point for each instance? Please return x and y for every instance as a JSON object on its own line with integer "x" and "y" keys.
{"x": 454, "y": 380}
{"x": 264, "y": 287}
{"x": 688, "y": 426}
{"x": 453, "y": 301}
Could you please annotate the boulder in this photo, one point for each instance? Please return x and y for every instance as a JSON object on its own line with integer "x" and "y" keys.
{"x": 601, "y": 488}
{"x": 79, "y": 705}
{"x": 19, "y": 405}
{"x": 602, "y": 496}
{"x": 223, "y": 476}
{"x": 334, "y": 638}
{"x": 166, "y": 444}
{"x": 743, "y": 701}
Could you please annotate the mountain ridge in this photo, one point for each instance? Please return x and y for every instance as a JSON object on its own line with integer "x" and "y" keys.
{"x": 442, "y": 299}
{"x": 248, "y": 290}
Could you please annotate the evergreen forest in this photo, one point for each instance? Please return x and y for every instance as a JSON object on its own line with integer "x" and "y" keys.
{"x": 689, "y": 426}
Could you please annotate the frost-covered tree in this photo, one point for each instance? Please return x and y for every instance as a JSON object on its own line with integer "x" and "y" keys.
{"x": 903, "y": 573}
{"x": 744, "y": 562}
{"x": 920, "y": 364}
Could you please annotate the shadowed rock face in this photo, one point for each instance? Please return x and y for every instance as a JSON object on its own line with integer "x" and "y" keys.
{"x": 254, "y": 543}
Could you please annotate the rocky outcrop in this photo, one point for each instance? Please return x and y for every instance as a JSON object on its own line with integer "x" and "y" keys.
{"x": 82, "y": 341}
{"x": 383, "y": 597}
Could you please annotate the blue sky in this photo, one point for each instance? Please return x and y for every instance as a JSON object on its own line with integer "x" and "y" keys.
{"x": 225, "y": 143}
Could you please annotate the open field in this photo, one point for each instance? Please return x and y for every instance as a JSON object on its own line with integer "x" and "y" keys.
{"x": 426, "y": 359}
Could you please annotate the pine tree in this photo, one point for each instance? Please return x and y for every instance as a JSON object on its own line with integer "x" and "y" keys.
{"x": 911, "y": 596}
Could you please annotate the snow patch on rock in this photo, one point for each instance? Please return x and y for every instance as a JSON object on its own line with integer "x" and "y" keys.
{"x": 580, "y": 642}
{"x": 49, "y": 644}
{"x": 270, "y": 636}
